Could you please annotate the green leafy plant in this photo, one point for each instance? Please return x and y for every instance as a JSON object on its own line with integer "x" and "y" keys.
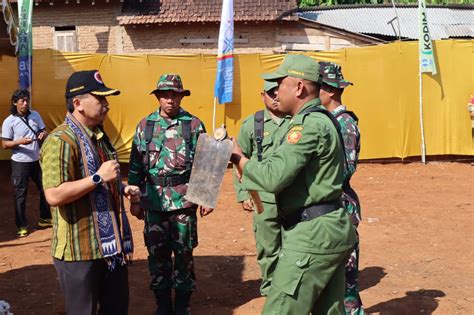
{"x": 312, "y": 3}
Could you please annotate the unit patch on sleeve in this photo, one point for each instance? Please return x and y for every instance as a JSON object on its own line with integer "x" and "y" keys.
{"x": 294, "y": 135}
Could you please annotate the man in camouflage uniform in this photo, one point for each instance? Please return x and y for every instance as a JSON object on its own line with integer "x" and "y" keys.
{"x": 332, "y": 87}
{"x": 266, "y": 226}
{"x": 160, "y": 163}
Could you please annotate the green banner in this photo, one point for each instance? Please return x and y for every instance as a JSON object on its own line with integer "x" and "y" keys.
{"x": 427, "y": 60}
{"x": 25, "y": 43}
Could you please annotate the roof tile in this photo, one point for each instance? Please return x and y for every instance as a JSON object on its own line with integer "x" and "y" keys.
{"x": 182, "y": 11}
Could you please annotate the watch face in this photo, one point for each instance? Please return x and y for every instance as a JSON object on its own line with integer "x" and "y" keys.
{"x": 96, "y": 179}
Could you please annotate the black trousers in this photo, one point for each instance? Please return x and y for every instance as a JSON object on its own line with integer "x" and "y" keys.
{"x": 90, "y": 288}
{"x": 21, "y": 173}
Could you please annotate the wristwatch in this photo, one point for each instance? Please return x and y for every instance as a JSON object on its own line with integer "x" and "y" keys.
{"x": 96, "y": 179}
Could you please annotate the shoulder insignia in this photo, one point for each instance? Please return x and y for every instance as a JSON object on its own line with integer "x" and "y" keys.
{"x": 293, "y": 136}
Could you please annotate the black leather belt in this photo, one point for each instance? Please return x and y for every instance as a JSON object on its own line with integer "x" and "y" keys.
{"x": 311, "y": 212}
{"x": 173, "y": 180}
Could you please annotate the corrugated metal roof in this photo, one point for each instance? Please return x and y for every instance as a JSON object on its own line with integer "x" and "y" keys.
{"x": 444, "y": 22}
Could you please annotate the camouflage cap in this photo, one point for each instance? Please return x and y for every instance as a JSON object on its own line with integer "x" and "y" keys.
{"x": 170, "y": 82}
{"x": 269, "y": 85}
{"x": 331, "y": 74}
{"x": 298, "y": 66}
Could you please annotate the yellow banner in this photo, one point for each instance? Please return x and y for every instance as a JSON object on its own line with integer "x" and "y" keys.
{"x": 384, "y": 95}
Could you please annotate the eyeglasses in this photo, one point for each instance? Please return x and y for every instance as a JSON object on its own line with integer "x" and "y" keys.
{"x": 271, "y": 94}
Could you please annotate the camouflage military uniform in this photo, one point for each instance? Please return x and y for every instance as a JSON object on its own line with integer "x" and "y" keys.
{"x": 350, "y": 200}
{"x": 331, "y": 75}
{"x": 170, "y": 220}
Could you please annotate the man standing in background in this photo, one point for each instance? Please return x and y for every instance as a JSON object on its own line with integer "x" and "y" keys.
{"x": 260, "y": 134}
{"x": 22, "y": 132}
{"x": 333, "y": 85}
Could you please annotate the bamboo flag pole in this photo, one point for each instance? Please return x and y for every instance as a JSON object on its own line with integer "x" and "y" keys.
{"x": 422, "y": 127}
{"x": 214, "y": 115}
{"x": 225, "y": 59}
{"x": 426, "y": 62}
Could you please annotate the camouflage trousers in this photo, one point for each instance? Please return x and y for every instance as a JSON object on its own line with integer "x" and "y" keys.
{"x": 167, "y": 233}
{"x": 352, "y": 301}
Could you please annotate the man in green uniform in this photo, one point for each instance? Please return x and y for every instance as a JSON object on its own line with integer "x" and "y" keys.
{"x": 260, "y": 134}
{"x": 160, "y": 164}
{"x": 306, "y": 174}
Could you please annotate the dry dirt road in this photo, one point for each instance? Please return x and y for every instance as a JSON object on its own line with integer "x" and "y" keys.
{"x": 416, "y": 248}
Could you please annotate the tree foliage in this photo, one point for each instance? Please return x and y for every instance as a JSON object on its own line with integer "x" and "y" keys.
{"x": 311, "y": 3}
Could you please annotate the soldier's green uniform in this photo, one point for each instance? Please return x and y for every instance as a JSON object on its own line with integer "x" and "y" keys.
{"x": 266, "y": 226}
{"x": 306, "y": 170}
{"x": 163, "y": 175}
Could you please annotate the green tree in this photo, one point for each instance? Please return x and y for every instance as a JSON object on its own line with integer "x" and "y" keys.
{"x": 312, "y": 3}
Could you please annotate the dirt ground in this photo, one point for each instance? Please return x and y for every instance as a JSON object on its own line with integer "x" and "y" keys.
{"x": 416, "y": 247}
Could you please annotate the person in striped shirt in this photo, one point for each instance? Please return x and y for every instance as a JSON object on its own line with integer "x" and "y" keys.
{"x": 92, "y": 241}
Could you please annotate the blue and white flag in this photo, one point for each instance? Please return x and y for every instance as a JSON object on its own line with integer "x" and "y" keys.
{"x": 25, "y": 43}
{"x": 427, "y": 60}
{"x": 225, "y": 55}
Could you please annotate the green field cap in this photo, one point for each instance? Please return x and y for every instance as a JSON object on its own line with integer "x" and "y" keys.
{"x": 298, "y": 66}
{"x": 269, "y": 85}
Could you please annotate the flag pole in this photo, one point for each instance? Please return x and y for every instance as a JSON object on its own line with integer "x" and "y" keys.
{"x": 223, "y": 86}
{"x": 427, "y": 63}
{"x": 420, "y": 81}
{"x": 214, "y": 115}
{"x": 422, "y": 128}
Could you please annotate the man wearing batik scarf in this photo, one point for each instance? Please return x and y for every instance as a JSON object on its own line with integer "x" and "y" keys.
{"x": 91, "y": 240}
{"x": 332, "y": 87}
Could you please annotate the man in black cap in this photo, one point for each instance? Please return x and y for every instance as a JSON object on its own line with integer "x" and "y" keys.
{"x": 91, "y": 241}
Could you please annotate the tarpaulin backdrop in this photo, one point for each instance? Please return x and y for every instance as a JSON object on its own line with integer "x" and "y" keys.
{"x": 384, "y": 95}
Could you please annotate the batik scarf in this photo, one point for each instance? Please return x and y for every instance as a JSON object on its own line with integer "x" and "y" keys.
{"x": 115, "y": 242}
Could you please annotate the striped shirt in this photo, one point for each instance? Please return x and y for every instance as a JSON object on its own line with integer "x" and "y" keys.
{"x": 74, "y": 236}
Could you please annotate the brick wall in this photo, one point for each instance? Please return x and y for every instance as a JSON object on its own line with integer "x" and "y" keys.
{"x": 166, "y": 38}
{"x": 251, "y": 37}
{"x": 98, "y": 31}
{"x": 96, "y": 25}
